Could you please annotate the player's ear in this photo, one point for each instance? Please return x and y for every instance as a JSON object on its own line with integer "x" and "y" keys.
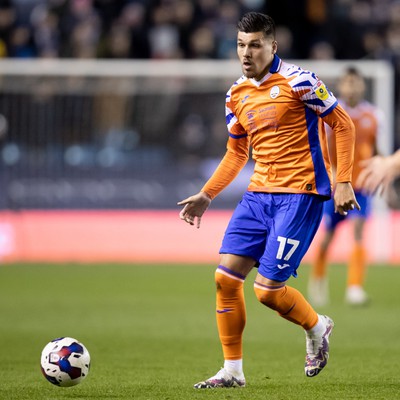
{"x": 274, "y": 47}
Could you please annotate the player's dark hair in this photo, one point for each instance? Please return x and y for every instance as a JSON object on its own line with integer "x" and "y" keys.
{"x": 353, "y": 71}
{"x": 256, "y": 22}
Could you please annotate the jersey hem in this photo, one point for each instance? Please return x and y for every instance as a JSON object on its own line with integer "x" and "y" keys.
{"x": 286, "y": 190}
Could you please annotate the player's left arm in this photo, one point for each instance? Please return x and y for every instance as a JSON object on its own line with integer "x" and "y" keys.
{"x": 322, "y": 101}
{"x": 317, "y": 97}
{"x": 344, "y": 132}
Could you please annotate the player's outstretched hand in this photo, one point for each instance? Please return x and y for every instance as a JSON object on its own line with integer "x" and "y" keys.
{"x": 377, "y": 174}
{"x": 194, "y": 207}
{"x": 344, "y": 198}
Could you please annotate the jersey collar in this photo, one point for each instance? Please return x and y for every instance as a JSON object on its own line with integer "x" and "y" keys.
{"x": 275, "y": 67}
{"x": 276, "y": 64}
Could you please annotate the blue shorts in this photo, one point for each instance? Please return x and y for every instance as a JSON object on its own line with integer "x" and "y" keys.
{"x": 274, "y": 229}
{"x": 332, "y": 219}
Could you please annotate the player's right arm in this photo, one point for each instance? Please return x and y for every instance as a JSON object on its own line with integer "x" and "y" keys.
{"x": 235, "y": 159}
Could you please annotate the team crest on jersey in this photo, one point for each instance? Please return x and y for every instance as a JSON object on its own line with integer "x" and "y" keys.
{"x": 321, "y": 91}
{"x": 274, "y": 92}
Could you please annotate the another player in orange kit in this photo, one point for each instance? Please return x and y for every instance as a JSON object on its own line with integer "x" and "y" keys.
{"x": 368, "y": 122}
{"x": 274, "y": 108}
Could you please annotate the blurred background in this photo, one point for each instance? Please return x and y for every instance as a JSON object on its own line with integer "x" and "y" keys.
{"x": 112, "y": 111}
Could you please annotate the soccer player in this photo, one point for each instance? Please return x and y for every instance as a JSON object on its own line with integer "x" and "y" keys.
{"x": 368, "y": 123}
{"x": 273, "y": 108}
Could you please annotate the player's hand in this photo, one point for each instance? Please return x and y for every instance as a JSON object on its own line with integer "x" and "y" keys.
{"x": 194, "y": 207}
{"x": 375, "y": 175}
{"x": 344, "y": 198}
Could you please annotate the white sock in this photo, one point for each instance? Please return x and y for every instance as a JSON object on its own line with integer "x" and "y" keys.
{"x": 318, "y": 329}
{"x": 234, "y": 366}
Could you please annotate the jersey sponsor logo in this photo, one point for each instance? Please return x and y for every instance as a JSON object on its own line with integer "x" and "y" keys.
{"x": 252, "y": 125}
{"x": 283, "y": 266}
{"x": 268, "y": 117}
{"x": 274, "y": 92}
{"x": 251, "y": 113}
{"x": 321, "y": 91}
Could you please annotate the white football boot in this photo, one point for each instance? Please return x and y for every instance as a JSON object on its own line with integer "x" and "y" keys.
{"x": 356, "y": 295}
{"x": 317, "y": 347}
{"x": 223, "y": 379}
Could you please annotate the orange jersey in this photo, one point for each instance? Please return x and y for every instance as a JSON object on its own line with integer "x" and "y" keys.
{"x": 278, "y": 118}
{"x": 367, "y": 120}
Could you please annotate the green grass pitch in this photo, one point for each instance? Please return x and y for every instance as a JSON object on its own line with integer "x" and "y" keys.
{"x": 152, "y": 334}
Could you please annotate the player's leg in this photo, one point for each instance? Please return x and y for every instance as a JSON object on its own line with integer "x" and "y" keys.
{"x": 355, "y": 293}
{"x": 231, "y": 309}
{"x": 230, "y": 302}
{"x": 291, "y": 305}
{"x": 318, "y": 287}
{"x": 231, "y": 320}
{"x": 295, "y": 224}
{"x": 356, "y": 271}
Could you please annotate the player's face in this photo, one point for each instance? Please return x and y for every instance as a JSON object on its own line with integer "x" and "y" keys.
{"x": 352, "y": 89}
{"x": 256, "y": 53}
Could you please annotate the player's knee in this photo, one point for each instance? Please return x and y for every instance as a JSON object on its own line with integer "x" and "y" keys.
{"x": 226, "y": 281}
{"x": 269, "y": 298}
{"x": 219, "y": 279}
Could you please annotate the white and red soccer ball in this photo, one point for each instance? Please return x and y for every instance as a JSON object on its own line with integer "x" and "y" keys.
{"x": 65, "y": 362}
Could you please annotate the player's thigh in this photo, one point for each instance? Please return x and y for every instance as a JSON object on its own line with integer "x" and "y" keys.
{"x": 294, "y": 228}
{"x": 246, "y": 232}
{"x": 238, "y": 264}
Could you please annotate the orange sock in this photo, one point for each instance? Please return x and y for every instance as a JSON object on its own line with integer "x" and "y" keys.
{"x": 231, "y": 312}
{"x": 319, "y": 267}
{"x": 289, "y": 303}
{"x": 356, "y": 269}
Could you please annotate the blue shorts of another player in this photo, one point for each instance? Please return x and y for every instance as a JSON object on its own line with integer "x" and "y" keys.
{"x": 332, "y": 219}
{"x": 275, "y": 230}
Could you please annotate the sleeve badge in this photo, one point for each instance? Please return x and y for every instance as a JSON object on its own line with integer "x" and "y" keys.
{"x": 321, "y": 91}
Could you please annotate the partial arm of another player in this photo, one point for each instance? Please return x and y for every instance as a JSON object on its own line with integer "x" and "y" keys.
{"x": 343, "y": 128}
{"x": 379, "y": 172}
{"x": 235, "y": 159}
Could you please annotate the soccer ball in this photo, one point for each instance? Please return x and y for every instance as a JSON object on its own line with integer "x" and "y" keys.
{"x": 65, "y": 362}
